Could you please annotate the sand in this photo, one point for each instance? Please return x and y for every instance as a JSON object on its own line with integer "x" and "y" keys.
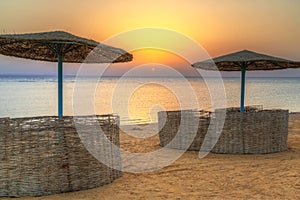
{"x": 217, "y": 176}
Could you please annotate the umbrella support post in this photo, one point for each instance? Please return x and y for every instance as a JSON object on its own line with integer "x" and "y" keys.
{"x": 243, "y": 74}
{"x": 60, "y": 84}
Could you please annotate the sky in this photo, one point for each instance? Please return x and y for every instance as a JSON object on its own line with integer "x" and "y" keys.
{"x": 219, "y": 26}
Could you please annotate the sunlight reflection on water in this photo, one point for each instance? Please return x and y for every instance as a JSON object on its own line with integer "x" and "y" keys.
{"x": 37, "y": 97}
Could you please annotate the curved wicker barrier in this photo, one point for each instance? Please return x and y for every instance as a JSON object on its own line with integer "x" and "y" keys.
{"x": 169, "y": 126}
{"x": 253, "y": 132}
{"x": 256, "y": 131}
{"x": 44, "y": 155}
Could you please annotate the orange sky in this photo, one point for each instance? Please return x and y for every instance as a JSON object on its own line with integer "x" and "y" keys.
{"x": 220, "y": 26}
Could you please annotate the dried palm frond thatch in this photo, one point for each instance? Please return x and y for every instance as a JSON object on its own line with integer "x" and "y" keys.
{"x": 43, "y": 46}
{"x": 252, "y": 60}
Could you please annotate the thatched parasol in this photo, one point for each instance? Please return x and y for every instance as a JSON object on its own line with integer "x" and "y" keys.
{"x": 62, "y": 47}
{"x": 245, "y": 60}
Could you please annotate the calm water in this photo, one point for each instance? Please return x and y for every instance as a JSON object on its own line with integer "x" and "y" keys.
{"x": 138, "y": 99}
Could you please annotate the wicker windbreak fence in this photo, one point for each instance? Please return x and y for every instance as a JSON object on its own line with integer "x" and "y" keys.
{"x": 255, "y": 131}
{"x": 178, "y": 136}
{"x": 44, "y": 155}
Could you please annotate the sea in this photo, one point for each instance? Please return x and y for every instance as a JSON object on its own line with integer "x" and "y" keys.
{"x": 138, "y": 99}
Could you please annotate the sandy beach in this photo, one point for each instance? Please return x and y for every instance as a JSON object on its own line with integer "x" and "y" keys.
{"x": 217, "y": 176}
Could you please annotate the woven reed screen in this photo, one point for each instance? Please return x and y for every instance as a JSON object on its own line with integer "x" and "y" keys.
{"x": 176, "y": 136}
{"x": 255, "y": 131}
{"x": 44, "y": 155}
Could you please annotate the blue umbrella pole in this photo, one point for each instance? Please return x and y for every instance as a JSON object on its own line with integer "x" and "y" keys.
{"x": 60, "y": 85}
{"x": 243, "y": 87}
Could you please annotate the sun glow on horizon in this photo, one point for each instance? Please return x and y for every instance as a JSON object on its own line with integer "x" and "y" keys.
{"x": 218, "y": 26}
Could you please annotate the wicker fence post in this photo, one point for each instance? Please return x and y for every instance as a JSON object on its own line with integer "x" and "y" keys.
{"x": 4, "y": 157}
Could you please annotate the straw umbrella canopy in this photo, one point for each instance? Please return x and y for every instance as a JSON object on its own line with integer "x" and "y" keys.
{"x": 59, "y": 46}
{"x": 245, "y": 60}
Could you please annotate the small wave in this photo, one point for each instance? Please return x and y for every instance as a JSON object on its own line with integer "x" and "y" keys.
{"x": 27, "y": 81}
